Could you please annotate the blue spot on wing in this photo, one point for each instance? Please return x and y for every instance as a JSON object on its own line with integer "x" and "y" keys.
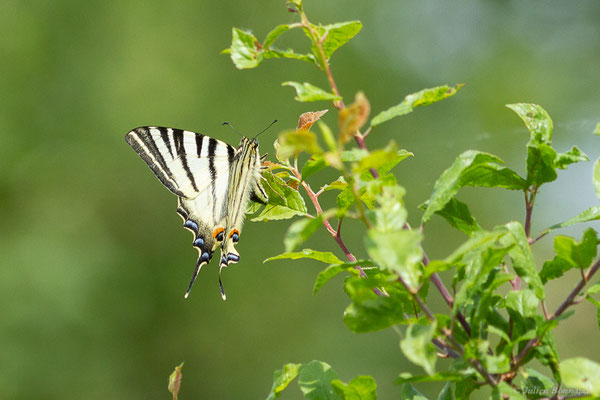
{"x": 191, "y": 225}
{"x": 199, "y": 242}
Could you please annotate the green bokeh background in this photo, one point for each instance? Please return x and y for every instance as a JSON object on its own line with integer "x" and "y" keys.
{"x": 93, "y": 259}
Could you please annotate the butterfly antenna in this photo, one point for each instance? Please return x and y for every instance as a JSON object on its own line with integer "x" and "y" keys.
{"x": 270, "y": 125}
{"x": 223, "y": 295}
{"x": 232, "y": 128}
{"x": 196, "y": 270}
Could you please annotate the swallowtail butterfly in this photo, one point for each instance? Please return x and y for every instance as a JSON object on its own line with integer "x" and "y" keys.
{"x": 213, "y": 182}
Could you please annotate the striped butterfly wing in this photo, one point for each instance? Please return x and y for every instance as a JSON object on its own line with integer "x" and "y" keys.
{"x": 197, "y": 169}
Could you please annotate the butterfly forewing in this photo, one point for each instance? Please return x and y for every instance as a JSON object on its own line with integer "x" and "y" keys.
{"x": 213, "y": 180}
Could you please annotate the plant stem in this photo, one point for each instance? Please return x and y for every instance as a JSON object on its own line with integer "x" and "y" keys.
{"x": 569, "y": 301}
{"x": 336, "y": 234}
{"x": 417, "y": 298}
{"x": 435, "y": 278}
{"x": 318, "y": 43}
{"x": 475, "y": 363}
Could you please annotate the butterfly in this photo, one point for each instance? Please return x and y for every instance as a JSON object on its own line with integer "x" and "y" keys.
{"x": 213, "y": 182}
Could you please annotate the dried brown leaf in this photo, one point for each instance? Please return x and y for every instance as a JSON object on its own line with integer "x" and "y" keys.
{"x": 307, "y": 119}
{"x": 353, "y": 117}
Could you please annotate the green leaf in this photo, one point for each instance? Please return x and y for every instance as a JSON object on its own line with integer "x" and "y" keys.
{"x": 391, "y": 214}
{"x": 414, "y": 100}
{"x": 175, "y": 381}
{"x": 307, "y": 92}
{"x": 300, "y": 231}
{"x": 327, "y": 136}
{"x": 554, "y": 268}
{"x": 379, "y": 158}
{"x": 536, "y": 120}
{"x": 334, "y": 36}
{"x": 480, "y": 266}
{"x": 339, "y": 184}
{"x": 450, "y": 181}
{"x": 492, "y": 175}
{"x": 369, "y": 312}
{"x": 597, "y": 177}
{"x": 314, "y": 381}
{"x": 335, "y": 269}
{"x": 274, "y": 34}
{"x": 522, "y": 258}
{"x": 581, "y": 373}
{"x": 244, "y": 51}
{"x": 591, "y": 214}
{"x": 503, "y": 391}
{"x": 408, "y": 392}
{"x": 547, "y": 354}
{"x": 596, "y": 303}
{"x": 441, "y": 376}
{"x": 540, "y": 164}
{"x": 313, "y": 165}
{"x": 496, "y": 364}
{"x": 523, "y": 302}
{"x": 464, "y": 388}
{"x": 594, "y": 289}
{"x": 359, "y": 388}
{"x": 294, "y": 142}
{"x": 338, "y": 35}
{"x": 324, "y": 256}
{"x": 458, "y": 215}
{"x": 282, "y": 378}
{"x": 276, "y": 212}
{"x": 446, "y": 393}
{"x": 288, "y": 53}
{"x": 477, "y": 243}
{"x": 417, "y": 346}
{"x": 570, "y": 157}
{"x": 578, "y": 255}
{"x": 284, "y": 201}
{"x": 537, "y": 384}
{"x": 597, "y": 130}
{"x": 345, "y": 199}
{"x": 354, "y": 155}
{"x": 398, "y": 251}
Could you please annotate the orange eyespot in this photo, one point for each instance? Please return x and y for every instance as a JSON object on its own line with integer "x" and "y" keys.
{"x": 234, "y": 232}
{"x": 218, "y": 232}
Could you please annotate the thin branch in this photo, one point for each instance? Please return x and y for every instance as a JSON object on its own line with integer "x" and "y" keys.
{"x": 446, "y": 348}
{"x": 360, "y": 141}
{"x": 569, "y": 301}
{"x": 418, "y": 299}
{"x": 435, "y": 279}
{"x": 475, "y": 363}
{"x": 339, "y": 104}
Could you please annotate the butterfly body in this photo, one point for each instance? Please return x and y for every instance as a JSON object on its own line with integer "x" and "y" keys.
{"x": 213, "y": 181}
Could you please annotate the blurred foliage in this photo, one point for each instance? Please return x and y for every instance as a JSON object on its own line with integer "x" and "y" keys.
{"x": 94, "y": 260}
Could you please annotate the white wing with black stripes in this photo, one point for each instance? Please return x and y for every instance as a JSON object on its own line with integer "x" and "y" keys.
{"x": 213, "y": 181}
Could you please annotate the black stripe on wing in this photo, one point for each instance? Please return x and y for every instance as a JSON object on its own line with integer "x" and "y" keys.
{"x": 180, "y": 149}
{"x": 164, "y": 134}
{"x": 143, "y": 143}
